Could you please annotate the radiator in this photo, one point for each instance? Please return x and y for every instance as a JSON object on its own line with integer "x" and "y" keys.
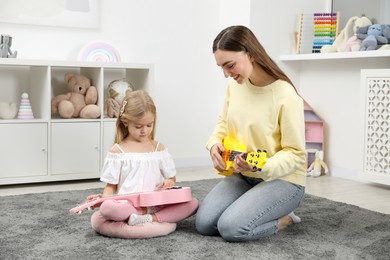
{"x": 375, "y": 93}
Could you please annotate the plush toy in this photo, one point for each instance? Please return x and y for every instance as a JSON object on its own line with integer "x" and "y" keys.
{"x": 339, "y": 44}
{"x": 5, "y": 47}
{"x": 353, "y": 44}
{"x": 315, "y": 168}
{"x": 116, "y": 92}
{"x": 8, "y": 110}
{"x": 372, "y": 36}
{"x": 80, "y": 101}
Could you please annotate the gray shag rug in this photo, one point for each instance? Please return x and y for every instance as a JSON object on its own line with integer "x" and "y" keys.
{"x": 38, "y": 226}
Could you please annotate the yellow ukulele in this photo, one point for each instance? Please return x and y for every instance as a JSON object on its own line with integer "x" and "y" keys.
{"x": 233, "y": 148}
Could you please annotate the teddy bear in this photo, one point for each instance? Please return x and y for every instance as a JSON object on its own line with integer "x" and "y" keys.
{"x": 339, "y": 44}
{"x": 315, "y": 168}
{"x": 80, "y": 101}
{"x": 372, "y": 36}
{"x": 116, "y": 92}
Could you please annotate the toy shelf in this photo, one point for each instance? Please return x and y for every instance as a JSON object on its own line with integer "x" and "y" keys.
{"x": 378, "y": 54}
{"x": 47, "y": 147}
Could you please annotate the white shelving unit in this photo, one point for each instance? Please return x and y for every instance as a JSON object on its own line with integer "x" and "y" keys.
{"x": 49, "y": 148}
{"x": 378, "y": 54}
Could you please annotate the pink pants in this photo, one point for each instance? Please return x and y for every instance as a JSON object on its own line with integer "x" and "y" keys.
{"x": 111, "y": 219}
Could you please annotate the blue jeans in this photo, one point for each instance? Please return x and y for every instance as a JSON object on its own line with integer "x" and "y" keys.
{"x": 240, "y": 208}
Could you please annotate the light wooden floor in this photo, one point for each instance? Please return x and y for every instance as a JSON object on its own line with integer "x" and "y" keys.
{"x": 369, "y": 196}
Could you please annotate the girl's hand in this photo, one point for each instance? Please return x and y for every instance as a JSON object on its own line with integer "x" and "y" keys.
{"x": 167, "y": 183}
{"x": 215, "y": 153}
{"x": 241, "y": 165}
{"x": 94, "y": 197}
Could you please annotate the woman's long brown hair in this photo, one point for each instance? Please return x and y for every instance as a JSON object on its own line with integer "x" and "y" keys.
{"x": 239, "y": 38}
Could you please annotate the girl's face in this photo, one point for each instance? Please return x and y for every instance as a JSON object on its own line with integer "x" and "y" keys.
{"x": 141, "y": 129}
{"x": 237, "y": 65}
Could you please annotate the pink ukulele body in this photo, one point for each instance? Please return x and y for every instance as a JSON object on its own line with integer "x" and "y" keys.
{"x": 145, "y": 199}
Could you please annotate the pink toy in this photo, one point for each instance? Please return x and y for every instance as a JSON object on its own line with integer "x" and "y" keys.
{"x": 170, "y": 195}
{"x": 25, "y": 111}
{"x": 353, "y": 44}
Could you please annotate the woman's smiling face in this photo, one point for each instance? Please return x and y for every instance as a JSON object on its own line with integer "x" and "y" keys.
{"x": 237, "y": 65}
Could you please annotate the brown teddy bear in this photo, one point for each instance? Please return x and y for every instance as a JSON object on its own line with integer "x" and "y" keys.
{"x": 80, "y": 101}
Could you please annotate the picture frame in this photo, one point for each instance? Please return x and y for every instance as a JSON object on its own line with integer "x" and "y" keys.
{"x": 57, "y": 13}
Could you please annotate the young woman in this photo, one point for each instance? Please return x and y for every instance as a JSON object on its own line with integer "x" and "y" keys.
{"x": 263, "y": 111}
{"x": 137, "y": 163}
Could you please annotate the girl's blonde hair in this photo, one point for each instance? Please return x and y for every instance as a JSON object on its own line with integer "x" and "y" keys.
{"x": 134, "y": 106}
{"x": 239, "y": 38}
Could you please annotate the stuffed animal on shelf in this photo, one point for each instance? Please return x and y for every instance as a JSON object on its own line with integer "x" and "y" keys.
{"x": 80, "y": 101}
{"x": 339, "y": 44}
{"x": 5, "y": 47}
{"x": 372, "y": 36}
{"x": 315, "y": 168}
{"x": 116, "y": 92}
{"x": 8, "y": 110}
{"x": 353, "y": 44}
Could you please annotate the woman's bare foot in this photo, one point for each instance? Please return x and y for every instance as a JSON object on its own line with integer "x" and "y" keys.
{"x": 287, "y": 220}
{"x": 284, "y": 222}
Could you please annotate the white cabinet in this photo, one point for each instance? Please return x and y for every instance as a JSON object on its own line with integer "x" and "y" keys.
{"x": 23, "y": 151}
{"x": 50, "y": 148}
{"x": 375, "y": 98}
{"x": 68, "y": 156}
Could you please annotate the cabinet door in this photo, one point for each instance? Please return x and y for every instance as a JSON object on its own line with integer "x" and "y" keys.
{"x": 23, "y": 150}
{"x": 108, "y": 136}
{"x": 75, "y": 148}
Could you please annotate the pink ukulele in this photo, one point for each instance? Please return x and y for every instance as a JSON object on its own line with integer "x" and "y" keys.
{"x": 170, "y": 195}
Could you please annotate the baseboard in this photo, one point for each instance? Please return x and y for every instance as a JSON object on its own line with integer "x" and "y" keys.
{"x": 344, "y": 173}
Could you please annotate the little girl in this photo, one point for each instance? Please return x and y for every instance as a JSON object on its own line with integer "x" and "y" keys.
{"x": 137, "y": 163}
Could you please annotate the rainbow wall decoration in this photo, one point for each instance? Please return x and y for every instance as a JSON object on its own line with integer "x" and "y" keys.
{"x": 316, "y": 30}
{"x": 99, "y": 51}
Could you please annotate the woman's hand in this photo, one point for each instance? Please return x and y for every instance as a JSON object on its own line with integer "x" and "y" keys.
{"x": 241, "y": 165}
{"x": 215, "y": 153}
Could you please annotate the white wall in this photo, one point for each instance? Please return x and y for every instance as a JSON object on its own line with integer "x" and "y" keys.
{"x": 275, "y": 22}
{"x": 174, "y": 35}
